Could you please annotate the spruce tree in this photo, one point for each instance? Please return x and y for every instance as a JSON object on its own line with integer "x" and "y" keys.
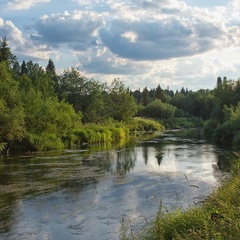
{"x": 5, "y": 53}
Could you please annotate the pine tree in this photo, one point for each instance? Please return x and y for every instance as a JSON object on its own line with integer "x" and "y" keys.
{"x": 5, "y": 53}
{"x": 50, "y": 68}
{"x": 145, "y": 97}
{"x": 24, "y": 68}
{"x": 51, "y": 71}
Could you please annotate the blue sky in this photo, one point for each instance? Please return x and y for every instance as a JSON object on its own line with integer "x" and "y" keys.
{"x": 173, "y": 43}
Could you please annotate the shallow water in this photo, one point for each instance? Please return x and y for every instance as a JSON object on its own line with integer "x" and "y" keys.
{"x": 85, "y": 194}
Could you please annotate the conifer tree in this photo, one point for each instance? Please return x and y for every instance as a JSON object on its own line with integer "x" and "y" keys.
{"x": 5, "y": 53}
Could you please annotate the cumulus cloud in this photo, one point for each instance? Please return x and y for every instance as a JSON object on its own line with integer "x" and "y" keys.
{"x": 79, "y": 30}
{"x": 155, "y": 32}
{"x": 101, "y": 60}
{"x": 159, "y": 39}
{"x": 24, "y": 4}
{"x": 161, "y": 42}
{"x": 20, "y": 45}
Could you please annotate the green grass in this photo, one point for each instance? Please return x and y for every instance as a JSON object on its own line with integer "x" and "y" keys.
{"x": 218, "y": 218}
{"x": 145, "y": 124}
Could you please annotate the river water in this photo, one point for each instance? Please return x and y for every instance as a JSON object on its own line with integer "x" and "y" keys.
{"x": 91, "y": 193}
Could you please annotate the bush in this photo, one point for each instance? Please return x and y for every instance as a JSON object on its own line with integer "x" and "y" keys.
{"x": 158, "y": 109}
{"x": 236, "y": 139}
{"x": 184, "y": 122}
{"x": 45, "y": 141}
{"x": 224, "y": 133}
{"x": 142, "y": 124}
{"x": 209, "y": 128}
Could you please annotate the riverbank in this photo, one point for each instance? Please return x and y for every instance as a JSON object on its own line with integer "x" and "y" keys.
{"x": 217, "y": 218}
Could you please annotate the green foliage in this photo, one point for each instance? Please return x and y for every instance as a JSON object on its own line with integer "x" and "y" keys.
{"x": 158, "y": 109}
{"x": 74, "y": 88}
{"x": 47, "y": 115}
{"x": 122, "y": 104}
{"x": 35, "y": 100}
{"x": 39, "y": 79}
{"x": 209, "y": 128}
{"x": 224, "y": 133}
{"x": 161, "y": 94}
{"x": 198, "y": 104}
{"x": 6, "y": 54}
{"x": 98, "y": 134}
{"x": 184, "y": 123}
{"x": 12, "y": 126}
{"x": 228, "y": 132}
{"x": 45, "y": 141}
{"x": 119, "y": 133}
{"x": 145, "y": 97}
{"x": 142, "y": 124}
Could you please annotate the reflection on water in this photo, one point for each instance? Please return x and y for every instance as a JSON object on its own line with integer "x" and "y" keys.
{"x": 84, "y": 194}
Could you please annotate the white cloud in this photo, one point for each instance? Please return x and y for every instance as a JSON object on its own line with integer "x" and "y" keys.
{"x": 24, "y": 4}
{"x": 82, "y": 2}
{"x": 144, "y": 42}
{"x": 78, "y": 30}
{"x": 20, "y": 45}
{"x": 131, "y": 36}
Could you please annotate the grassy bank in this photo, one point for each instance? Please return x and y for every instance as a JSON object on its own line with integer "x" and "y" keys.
{"x": 105, "y": 133}
{"x": 111, "y": 132}
{"x": 218, "y": 218}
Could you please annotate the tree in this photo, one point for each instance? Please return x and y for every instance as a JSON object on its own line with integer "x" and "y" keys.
{"x": 40, "y": 79}
{"x": 123, "y": 105}
{"x": 183, "y": 91}
{"x": 51, "y": 72}
{"x": 145, "y": 97}
{"x": 96, "y": 110}
{"x": 137, "y": 95}
{"x": 6, "y": 54}
{"x": 50, "y": 68}
{"x": 158, "y": 109}
{"x": 48, "y": 121}
{"x": 24, "y": 68}
{"x": 161, "y": 94}
{"x": 12, "y": 125}
{"x": 75, "y": 88}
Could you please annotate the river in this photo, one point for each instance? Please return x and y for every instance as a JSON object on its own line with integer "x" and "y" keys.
{"x": 91, "y": 193}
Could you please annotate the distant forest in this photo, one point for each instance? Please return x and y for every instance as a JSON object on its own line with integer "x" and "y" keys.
{"x": 40, "y": 108}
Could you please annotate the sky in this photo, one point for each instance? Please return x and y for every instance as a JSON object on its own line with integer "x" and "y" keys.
{"x": 144, "y": 43}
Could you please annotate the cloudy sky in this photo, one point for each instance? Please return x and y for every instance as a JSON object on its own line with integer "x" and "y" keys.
{"x": 173, "y": 43}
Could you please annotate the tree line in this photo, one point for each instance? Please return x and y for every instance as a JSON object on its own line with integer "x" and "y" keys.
{"x": 40, "y": 108}
{"x": 216, "y": 110}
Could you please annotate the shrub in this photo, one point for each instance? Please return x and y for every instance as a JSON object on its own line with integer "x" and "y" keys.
{"x": 142, "y": 124}
{"x": 224, "y": 133}
{"x": 45, "y": 141}
{"x": 158, "y": 109}
{"x": 209, "y": 128}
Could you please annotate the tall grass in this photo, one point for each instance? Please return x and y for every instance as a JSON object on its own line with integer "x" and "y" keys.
{"x": 218, "y": 218}
{"x": 89, "y": 134}
{"x": 143, "y": 124}
{"x": 110, "y": 132}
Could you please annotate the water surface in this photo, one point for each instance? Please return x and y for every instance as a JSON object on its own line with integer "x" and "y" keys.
{"x": 85, "y": 194}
